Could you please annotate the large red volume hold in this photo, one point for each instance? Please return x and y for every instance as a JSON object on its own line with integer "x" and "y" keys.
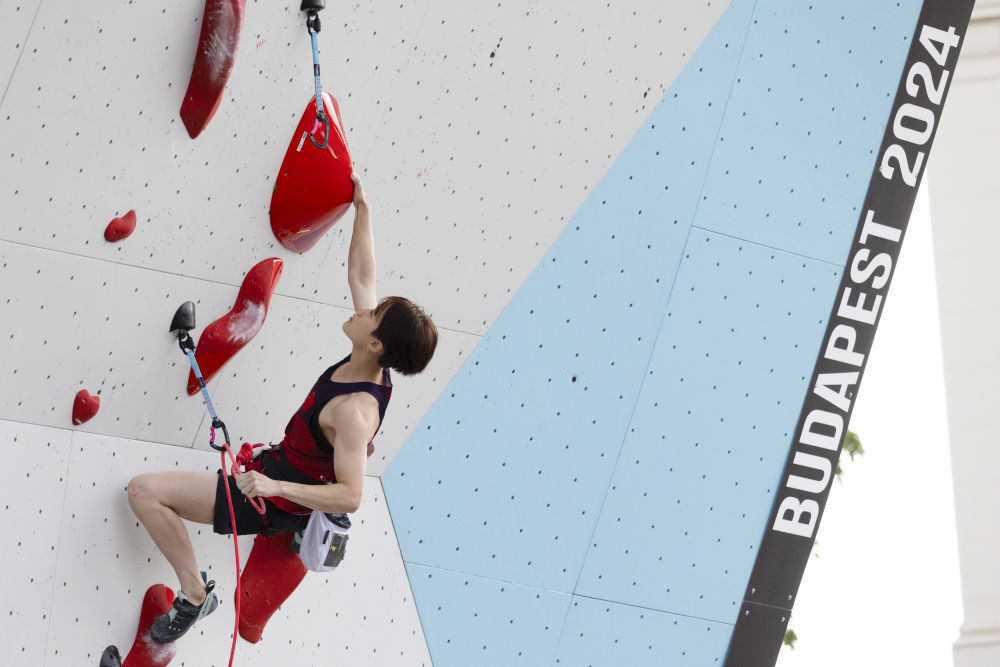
{"x": 272, "y": 573}
{"x": 225, "y": 336}
{"x": 314, "y": 187}
{"x": 146, "y": 651}
{"x": 220, "y": 37}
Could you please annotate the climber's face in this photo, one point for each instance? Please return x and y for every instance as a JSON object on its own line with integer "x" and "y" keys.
{"x": 360, "y": 327}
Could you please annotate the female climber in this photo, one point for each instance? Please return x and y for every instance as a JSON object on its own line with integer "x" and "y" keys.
{"x": 320, "y": 464}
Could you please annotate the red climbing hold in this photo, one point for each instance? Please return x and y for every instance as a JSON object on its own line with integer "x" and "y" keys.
{"x": 85, "y": 406}
{"x": 314, "y": 187}
{"x": 272, "y": 573}
{"x": 145, "y": 651}
{"x": 120, "y": 228}
{"x": 225, "y": 336}
{"x": 220, "y": 37}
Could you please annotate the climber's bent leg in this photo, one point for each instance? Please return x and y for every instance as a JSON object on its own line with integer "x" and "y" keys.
{"x": 160, "y": 500}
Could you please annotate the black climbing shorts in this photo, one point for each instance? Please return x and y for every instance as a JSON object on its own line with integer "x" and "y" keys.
{"x": 248, "y": 520}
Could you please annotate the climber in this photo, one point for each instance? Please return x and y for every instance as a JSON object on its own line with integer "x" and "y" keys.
{"x": 320, "y": 463}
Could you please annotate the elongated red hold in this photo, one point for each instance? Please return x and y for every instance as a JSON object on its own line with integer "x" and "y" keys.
{"x": 213, "y": 63}
{"x": 120, "y": 228}
{"x": 85, "y": 406}
{"x": 313, "y": 188}
{"x": 224, "y": 337}
{"x": 272, "y": 573}
{"x": 145, "y": 651}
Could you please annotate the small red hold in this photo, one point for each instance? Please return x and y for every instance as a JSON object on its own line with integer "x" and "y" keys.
{"x": 85, "y": 406}
{"x": 120, "y": 228}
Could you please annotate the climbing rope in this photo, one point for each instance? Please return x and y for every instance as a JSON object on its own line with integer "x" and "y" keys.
{"x": 187, "y": 345}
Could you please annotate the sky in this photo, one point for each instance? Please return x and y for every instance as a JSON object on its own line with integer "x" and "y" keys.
{"x": 883, "y": 584}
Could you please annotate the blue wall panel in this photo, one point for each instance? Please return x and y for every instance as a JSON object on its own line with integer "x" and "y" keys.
{"x": 469, "y": 620}
{"x": 612, "y": 446}
{"x": 607, "y": 634}
{"x": 505, "y": 476}
{"x": 809, "y": 103}
{"x": 710, "y": 433}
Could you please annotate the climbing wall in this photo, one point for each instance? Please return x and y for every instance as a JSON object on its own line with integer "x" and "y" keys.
{"x": 595, "y": 480}
{"x": 628, "y": 223}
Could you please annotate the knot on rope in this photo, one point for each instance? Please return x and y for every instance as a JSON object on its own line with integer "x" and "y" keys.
{"x": 245, "y": 455}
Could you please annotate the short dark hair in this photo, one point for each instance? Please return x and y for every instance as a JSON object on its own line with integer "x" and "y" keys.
{"x": 407, "y": 334}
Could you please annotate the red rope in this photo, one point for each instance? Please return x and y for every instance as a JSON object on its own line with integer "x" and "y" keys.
{"x": 236, "y": 545}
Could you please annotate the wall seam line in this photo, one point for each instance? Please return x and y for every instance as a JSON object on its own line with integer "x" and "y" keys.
{"x": 406, "y": 573}
{"x": 839, "y": 267}
{"x": 209, "y": 281}
{"x": 62, "y": 514}
{"x": 666, "y": 305}
{"x": 20, "y": 53}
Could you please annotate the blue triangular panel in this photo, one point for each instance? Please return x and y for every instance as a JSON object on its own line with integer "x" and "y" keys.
{"x": 613, "y": 443}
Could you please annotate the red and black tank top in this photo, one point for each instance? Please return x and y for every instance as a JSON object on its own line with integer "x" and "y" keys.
{"x": 305, "y": 446}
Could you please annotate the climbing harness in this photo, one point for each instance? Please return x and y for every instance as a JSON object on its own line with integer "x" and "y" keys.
{"x": 312, "y": 8}
{"x": 182, "y": 324}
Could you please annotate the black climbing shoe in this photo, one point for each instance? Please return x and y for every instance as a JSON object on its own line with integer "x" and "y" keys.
{"x": 172, "y": 625}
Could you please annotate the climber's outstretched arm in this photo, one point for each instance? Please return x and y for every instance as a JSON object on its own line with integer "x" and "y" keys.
{"x": 361, "y": 257}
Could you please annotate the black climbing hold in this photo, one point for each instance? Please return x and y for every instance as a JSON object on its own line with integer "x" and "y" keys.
{"x": 312, "y": 5}
{"x": 183, "y": 319}
{"x": 111, "y": 657}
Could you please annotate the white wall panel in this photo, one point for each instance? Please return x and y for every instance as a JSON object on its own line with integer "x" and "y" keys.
{"x": 16, "y": 17}
{"x": 106, "y": 561}
{"x": 487, "y": 156}
{"x": 75, "y": 323}
{"x": 32, "y": 499}
{"x": 96, "y": 100}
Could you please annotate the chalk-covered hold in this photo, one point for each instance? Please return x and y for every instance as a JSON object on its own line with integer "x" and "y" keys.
{"x": 224, "y": 337}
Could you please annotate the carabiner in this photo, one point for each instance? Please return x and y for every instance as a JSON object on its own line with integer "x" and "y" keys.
{"x": 321, "y": 118}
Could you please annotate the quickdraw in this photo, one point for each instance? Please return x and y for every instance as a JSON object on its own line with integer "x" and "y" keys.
{"x": 313, "y": 25}
{"x": 182, "y": 324}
